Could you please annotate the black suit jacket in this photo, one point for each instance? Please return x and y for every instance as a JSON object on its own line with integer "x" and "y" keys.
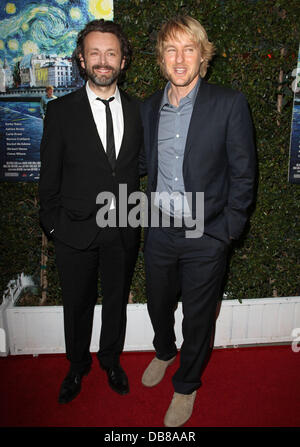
{"x": 219, "y": 157}
{"x": 75, "y": 168}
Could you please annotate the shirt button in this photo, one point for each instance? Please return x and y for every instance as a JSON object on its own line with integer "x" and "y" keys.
{"x": 177, "y": 136}
{"x": 177, "y": 156}
{"x": 176, "y": 179}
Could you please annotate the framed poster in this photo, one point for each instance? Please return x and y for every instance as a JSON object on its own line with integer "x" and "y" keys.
{"x": 37, "y": 40}
{"x": 294, "y": 159}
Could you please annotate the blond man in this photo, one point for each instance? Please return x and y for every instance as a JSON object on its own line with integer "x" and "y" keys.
{"x": 199, "y": 151}
{"x": 45, "y": 99}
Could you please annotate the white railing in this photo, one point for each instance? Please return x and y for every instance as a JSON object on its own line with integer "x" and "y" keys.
{"x": 39, "y": 330}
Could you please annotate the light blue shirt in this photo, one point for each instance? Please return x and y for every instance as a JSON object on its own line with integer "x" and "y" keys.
{"x": 43, "y": 103}
{"x": 172, "y": 133}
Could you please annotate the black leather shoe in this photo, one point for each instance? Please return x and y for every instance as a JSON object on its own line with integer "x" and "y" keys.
{"x": 117, "y": 379}
{"x": 71, "y": 386}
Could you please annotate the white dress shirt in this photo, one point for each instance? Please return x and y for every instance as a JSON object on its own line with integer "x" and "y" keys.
{"x": 99, "y": 114}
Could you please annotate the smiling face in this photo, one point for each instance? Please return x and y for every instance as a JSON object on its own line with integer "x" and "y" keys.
{"x": 102, "y": 59}
{"x": 181, "y": 60}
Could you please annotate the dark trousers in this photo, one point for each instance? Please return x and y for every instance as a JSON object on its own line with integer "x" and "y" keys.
{"x": 193, "y": 268}
{"x": 79, "y": 273}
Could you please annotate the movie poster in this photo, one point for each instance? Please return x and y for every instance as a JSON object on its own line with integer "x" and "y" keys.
{"x": 294, "y": 161}
{"x": 37, "y": 40}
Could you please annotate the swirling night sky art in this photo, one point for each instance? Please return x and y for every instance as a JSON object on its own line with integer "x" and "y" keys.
{"x": 45, "y": 27}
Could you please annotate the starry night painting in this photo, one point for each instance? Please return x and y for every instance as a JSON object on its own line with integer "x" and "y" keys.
{"x": 37, "y": 40}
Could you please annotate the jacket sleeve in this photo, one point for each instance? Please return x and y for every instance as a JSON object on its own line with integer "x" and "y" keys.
{"x": 242, "y": 165}
{"x": 51, "y": 153}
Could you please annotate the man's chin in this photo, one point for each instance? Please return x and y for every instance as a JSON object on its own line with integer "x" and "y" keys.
{"x": 180, "y": 82}
{"x": 103, "y": 80}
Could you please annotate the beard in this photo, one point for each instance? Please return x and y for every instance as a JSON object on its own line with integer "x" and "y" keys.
{"x": 102, "y": 80}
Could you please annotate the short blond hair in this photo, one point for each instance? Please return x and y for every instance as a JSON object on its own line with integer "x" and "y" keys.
{"x": 190, "y": 26}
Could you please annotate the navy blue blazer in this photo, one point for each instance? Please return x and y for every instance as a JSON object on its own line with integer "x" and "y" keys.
{"x": 219, "y": 157}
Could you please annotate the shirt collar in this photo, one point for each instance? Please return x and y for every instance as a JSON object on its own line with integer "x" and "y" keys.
{"x": 191, "y": 96}
{"x": 93, "y": 97}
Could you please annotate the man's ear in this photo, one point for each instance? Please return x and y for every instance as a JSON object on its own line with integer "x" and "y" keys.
{"x": 82, "y": 61}
{"x": 123, "y": 63}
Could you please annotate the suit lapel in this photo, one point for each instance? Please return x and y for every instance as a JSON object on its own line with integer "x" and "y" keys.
{"x": 198, "y": 117}
{"x": 128, "y": 125}
{"x": 87, "y": 123}
{"x": 91, "y": 128}
{"x": 196, "y": 122}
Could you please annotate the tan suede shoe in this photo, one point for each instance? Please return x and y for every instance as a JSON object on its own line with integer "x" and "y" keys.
{"x": 155, "y": 371}
{"x": 180, "y": 409}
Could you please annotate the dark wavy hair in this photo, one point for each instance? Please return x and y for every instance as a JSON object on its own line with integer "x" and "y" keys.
{"x": 104, "y": 26}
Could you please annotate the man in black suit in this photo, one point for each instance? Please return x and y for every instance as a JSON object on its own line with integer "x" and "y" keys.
{"x": 199, "y": 152}
{"x": 90, "y": 145}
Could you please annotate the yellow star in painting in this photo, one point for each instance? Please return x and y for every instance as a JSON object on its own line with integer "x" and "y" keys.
{"x": 75, "y": 13}
{"x": 13, "y": 44}
{"x": 101, "y": 9}
{"x": 10, "y": 8}
{"x": 30, "y": 47}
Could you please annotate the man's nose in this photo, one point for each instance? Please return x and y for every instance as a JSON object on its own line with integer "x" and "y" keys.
{"x": 101, "y": 58}
{"x": 179, "y": 56}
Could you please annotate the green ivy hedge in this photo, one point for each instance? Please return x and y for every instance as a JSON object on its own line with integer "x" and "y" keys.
{"x": 255, "y": 41}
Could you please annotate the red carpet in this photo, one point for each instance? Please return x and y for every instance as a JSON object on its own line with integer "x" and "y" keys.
{"x": 243, "y": 387}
